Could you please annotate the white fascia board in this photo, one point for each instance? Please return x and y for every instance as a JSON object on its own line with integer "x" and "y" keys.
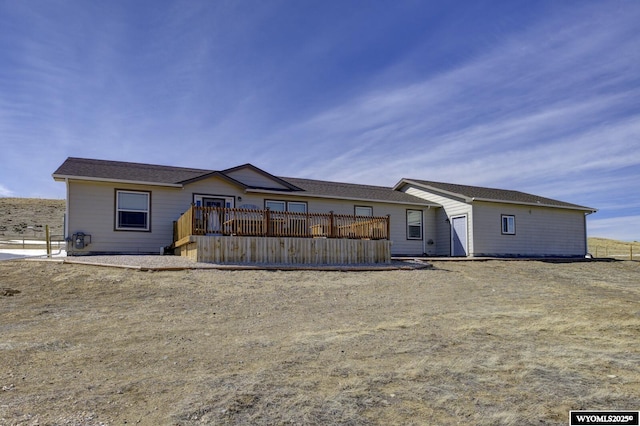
{"x": 520, "y": 203}
{"x": 331, "y": 197}
{"x": 62, "y": 178}
{"x": 431, "y": 188}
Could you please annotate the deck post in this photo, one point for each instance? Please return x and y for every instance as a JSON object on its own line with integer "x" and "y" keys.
{"x": 267, "y": 221}
{"x": 388, "y": 236}
{"x": 331, "y": 228}
{"x": 193, "y": 219}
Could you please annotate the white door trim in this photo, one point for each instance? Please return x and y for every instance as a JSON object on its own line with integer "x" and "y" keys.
{"x": 462, "y": 241}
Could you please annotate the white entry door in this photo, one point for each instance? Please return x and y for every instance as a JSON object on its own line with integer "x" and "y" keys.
{"x": 459, "y": 236}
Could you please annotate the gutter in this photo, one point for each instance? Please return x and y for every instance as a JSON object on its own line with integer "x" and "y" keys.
{"x": 538, "y": 204}
{"x": 66, "y": 178}
{"x": 586, "y": 236}
{"x": 333, "y": 197}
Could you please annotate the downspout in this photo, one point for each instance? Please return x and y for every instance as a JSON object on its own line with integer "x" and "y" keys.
{"x": 424, "y": 239}
{"x": 66, "y": 212}
{"x": 586, "y": 240}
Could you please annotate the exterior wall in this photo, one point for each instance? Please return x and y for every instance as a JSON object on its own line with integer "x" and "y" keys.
{"x": 539, "y": 231}
{"x": 450, "y": 208}
{"x": 92, "y": 211}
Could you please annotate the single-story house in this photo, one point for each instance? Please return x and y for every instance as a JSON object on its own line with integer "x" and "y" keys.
{"x": 123, "y": 207}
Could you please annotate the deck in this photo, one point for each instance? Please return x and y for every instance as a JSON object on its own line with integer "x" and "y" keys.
{"x": 228, "y": 235}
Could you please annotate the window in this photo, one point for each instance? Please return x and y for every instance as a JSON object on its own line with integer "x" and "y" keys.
{"x": 276, "y": 206}
{"x": 363, "y": 211}
{"x": 414, "y": 224}
{"x": 508, "y": 224}
{"x": 296, "y": 207}
{"x": 282, "y": 206}
{"x": 132, "y": 210}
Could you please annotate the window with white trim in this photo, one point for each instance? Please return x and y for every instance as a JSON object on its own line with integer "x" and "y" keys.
{"x": 363, "y": 211}
{"x": 414, "y": 224}
{"x": 284, "y": 206}
{"x": 276, "y": 206}
{"x": 132, "y": 210}
{"x": 296, "y": 207}
{"x": 508, "y": 224}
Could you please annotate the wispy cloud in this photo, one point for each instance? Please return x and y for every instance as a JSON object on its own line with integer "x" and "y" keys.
{"x": 546, "y": 103}
{"x": 552, "y": 109}
{"x": 5, "y": 192}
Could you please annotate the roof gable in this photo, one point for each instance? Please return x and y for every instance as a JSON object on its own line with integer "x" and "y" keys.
{"x": 478, "y": 193}
{"x": 253, "y": 177}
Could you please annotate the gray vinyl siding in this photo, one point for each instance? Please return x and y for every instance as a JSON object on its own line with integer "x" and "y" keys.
{"x": 539, "y": 231}
{"x": 450, "y": 208}
{"x": 92, "y": 211}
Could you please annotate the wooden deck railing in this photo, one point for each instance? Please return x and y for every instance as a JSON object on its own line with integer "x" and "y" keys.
{"x": 268, "y": 223}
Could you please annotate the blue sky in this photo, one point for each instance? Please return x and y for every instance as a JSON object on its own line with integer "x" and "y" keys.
{"x": 537, "y": 96}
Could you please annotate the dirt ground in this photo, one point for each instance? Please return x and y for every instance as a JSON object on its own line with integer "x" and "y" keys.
{"x": 496, "y": 342}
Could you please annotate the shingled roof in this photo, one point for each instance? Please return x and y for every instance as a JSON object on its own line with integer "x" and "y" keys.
{"x": 479, "y": 193}
{"x": 354, "y": 191}
{"x": 119, "y": 171}
{"x": 124, "y": 171}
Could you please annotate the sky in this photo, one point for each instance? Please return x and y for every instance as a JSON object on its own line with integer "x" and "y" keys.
{"x": 536, "y": 96}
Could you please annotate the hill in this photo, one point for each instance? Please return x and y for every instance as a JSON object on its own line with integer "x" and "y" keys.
{"x": 603, "y": 247}
{"x": 27, "y": 217}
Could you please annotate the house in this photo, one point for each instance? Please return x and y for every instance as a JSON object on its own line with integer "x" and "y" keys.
{"x": 122, "y": 207}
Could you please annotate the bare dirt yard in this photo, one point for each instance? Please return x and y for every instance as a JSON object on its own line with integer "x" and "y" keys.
{"x": 483, "y": 343}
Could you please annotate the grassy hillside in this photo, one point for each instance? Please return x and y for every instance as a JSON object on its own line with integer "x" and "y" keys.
{"x": 27, "y": 217}
{"x": 603, "y": 247}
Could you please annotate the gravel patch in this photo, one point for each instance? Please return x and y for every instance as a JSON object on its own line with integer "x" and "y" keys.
{"x": 160, "y": 263}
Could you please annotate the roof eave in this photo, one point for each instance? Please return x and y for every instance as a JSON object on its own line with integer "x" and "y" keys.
{"x": 525, "y": 203}
{"x": 62, "y": 178}
{"x": 334, "y": 197}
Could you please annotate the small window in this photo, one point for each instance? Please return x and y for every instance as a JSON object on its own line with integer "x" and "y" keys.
{"x": 296, "y": 207}
{"x": 363, "y": 211}
{"x": 276, "y": 206}
{"x": 414, "y": 224}
{"x": 132, "y": 210}
{"x": 508, "y": 225}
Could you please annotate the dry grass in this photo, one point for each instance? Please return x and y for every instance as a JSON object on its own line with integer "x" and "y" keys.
{"x": 486, "y": 343}
{"x": 603, "y": 247}
{"x": 27, "y": 217}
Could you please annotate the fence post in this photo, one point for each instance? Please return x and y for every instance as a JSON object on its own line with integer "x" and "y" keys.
{"x": 267, "y": 218}
{"x": 48, "y": 238}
